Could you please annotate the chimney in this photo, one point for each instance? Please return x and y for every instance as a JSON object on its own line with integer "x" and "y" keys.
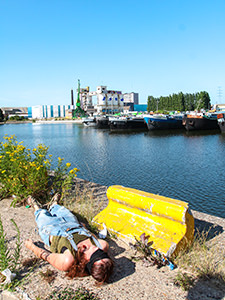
{"x": 72, "y": 102}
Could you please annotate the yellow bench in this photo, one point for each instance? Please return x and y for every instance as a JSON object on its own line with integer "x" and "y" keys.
{"x": 131, "y": 212}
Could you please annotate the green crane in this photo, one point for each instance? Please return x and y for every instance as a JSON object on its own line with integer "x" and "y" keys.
{"x": 78, "y": 112}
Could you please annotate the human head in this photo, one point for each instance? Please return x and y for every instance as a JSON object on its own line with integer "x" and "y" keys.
{"x": 100, "y": 266}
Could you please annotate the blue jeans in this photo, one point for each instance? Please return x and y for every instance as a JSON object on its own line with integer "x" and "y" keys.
{"x": 59, "y": 221}
{"x": 55, "y": 222}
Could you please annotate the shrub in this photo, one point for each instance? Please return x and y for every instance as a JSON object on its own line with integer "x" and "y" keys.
{"x": 26, "y": 171}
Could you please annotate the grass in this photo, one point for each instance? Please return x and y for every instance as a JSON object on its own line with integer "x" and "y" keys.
{"x": 9, "y": 258}
{"x": 84, "y": 204}
{"x": 71, "y": 294}
{"x": 203, "y": 260}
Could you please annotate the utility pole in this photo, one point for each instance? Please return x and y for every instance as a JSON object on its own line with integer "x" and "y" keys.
{"x": 219, "y": 93}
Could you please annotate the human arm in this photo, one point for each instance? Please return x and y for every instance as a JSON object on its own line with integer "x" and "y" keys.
{"x": 61, "y": 261}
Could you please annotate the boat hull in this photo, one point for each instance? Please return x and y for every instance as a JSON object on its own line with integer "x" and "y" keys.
{"x": 103, "y": 123}
{"x": 199, "y": 123}
{"x": 163, "y": 123}
{"x": 128, "y": 124}
{"x": 221, "y": 122}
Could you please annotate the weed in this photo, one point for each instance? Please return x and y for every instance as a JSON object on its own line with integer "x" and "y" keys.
{"x": 112, "y": 234}
{"x": 49, "y": 275}
{"x": 9, "y": 259}
{"x": 84, "y": 204}
{"x": 149, "y": 255}
{"x": 184, "y": 280}
{"x": 71, "y": 294}
{"x": 30, "y": 262}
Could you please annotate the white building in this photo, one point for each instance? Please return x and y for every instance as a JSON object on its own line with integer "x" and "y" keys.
{"x": 50, "y": 111}
{"x": 108, "y": 101}
{"x": 131, "y": 98}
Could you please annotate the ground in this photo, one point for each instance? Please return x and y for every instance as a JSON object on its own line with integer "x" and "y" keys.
{"x": 131, "y": 279}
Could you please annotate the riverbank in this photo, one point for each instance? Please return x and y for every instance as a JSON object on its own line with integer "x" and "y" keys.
{"x": 131, "y": 279}
{"x": 78, "y": 121}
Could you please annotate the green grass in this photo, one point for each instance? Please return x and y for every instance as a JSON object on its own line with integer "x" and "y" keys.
{"x": 71, "y": 294}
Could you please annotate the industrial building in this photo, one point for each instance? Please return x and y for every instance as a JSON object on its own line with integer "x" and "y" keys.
{"x": 50, "y": 111}
{"x": 15, "y": 111}
{"x": 108, "y": 101}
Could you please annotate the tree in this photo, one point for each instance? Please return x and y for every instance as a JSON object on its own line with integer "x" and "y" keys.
{"x": 203, "y": 100}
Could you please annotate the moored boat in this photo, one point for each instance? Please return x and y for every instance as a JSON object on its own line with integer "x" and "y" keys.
{"x": 102, "y": 122}
{"x": 200, "y": 121}
{"x": 221, "y": 122}
{"x": 134, "y": 124}
{"x": 89, "y": 122}
{"x": 159, "y": 122}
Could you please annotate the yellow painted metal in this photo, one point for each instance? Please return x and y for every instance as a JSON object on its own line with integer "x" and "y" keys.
{"x": 131, "y": 212}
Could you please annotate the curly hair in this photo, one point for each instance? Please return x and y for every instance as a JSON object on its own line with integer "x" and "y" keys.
{"x": 78, "y": 268}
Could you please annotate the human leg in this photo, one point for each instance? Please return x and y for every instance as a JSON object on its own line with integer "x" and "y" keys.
{"x": 46, "y": 222}
{"x": 63, "y": 212}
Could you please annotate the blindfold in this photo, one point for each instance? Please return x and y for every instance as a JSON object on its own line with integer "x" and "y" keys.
{"x": 97, "y": 255}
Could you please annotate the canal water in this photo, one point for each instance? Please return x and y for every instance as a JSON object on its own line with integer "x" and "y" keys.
{"x": 177, "y": 164}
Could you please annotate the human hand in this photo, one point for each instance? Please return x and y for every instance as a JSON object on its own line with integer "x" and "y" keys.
{"x": 29, "y": 244}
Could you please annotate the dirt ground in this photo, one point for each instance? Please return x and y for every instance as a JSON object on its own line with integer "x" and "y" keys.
{"x": 130, "y": 280}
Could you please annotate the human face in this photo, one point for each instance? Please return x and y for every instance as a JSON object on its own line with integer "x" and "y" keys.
{"x": 88, "y": 251}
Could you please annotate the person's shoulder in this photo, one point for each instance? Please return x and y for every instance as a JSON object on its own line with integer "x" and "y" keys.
{"x": 104, "y": 244}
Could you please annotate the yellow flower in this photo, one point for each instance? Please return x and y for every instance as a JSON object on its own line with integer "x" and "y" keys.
{"x": 3, "y": 171}
{"x": 50, "y": 155}
{"x": 68, "y": 165}
{"x": 34, "y": 150}
{"x": 71, "y": 171}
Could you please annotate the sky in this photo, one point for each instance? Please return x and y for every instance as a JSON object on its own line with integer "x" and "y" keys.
{"x": 151, "y": 47}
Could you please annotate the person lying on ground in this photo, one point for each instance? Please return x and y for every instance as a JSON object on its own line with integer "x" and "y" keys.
{"x": 73, "y": 248}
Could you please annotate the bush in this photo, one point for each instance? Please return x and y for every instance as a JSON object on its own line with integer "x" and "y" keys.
{"x": 25, "y": 172}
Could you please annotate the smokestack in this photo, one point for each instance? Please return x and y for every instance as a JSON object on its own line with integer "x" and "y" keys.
{"x": 72, "y": 103}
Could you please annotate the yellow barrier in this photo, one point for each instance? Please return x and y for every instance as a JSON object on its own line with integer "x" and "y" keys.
{"x": 131, "y": 212}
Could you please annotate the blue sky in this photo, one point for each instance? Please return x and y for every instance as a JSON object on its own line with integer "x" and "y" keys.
{"x": 154, "y": 47}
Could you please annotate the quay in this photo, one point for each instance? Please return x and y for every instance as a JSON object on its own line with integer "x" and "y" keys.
{"x": 130, "y": 280}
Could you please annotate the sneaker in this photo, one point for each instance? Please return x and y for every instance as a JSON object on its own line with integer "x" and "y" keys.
{"x": 55, "y": 199}
{"x": 32, "y": 202}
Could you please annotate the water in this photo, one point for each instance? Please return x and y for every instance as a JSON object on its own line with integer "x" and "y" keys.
{"x": 181, "y": 165}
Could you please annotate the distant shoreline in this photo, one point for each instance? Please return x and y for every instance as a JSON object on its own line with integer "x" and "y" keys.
{"x": 58, "y": 121}
{"x": 43, "y": 122}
